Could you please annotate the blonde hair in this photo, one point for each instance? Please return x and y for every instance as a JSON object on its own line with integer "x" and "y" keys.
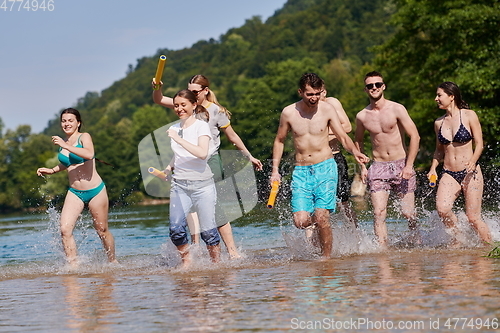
{"x": 204, "y": 83}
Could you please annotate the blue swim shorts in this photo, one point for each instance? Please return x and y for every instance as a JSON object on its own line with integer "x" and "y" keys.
{"x": 315, "y": 186}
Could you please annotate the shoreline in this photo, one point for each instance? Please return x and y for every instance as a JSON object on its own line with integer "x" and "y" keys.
{"x": 153, "y": 202}
{"x": 144, "y": 202}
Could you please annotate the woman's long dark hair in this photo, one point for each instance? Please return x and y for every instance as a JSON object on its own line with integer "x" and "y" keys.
{"x": 78, "y": 117}
{"x": 74, "y": 112}
{"x": 451, "y": 89}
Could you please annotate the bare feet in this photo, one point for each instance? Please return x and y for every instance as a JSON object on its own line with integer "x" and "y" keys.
{"x": 72, "y": 265}
{"x": 324, "y": 258}
{"x": 186, "y": 262}
{"x": 312, "y": 236}
{"x": 454, "y": 242}
{"x": 185, "y": 255}
{"x": 233, "y": 252}
{"x": 214, "y": 252}
{"x": 383, "y": 246}
{"x": 234, "y": 256}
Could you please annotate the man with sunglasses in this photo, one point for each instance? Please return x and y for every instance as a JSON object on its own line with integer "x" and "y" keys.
{"x": 392, "y": 167}
{"x": 314, "y": 179}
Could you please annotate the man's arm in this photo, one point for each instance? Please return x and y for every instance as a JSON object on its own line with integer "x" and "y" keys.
{"x": 344, "y": 120}
{"x": 411, "y": 130}
{"x": 279, "y": 145}
{"x": 344, "y": 139}
{"x": 359, "y": 136}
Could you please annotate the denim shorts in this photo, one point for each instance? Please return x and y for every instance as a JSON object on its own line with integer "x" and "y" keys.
{"x": 314, "y": 186}
{"x": 198, "y": 196}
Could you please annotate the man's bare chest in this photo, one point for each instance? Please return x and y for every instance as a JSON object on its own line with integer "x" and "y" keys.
{"x": 315, "y": 125}
{"x": 381, "y": 123}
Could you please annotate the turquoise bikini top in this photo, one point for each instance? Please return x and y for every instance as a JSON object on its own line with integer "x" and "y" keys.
{"x": 71, "y": 159}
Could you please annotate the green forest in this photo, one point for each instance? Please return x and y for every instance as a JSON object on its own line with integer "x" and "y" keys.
{"x": 254, "y": 71}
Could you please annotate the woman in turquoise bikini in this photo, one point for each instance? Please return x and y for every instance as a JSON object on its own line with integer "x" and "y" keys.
{"x": 76, "y": 154}
{"x": 459, "y": 144}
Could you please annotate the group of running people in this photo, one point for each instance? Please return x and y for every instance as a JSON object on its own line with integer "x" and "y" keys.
{"x": 320, "y": 178}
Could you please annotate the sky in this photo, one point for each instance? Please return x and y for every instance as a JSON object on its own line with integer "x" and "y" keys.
{"x": 50, "y": 58}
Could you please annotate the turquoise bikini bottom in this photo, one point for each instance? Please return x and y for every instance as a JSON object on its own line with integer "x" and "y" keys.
{"x": 87, "y": 195}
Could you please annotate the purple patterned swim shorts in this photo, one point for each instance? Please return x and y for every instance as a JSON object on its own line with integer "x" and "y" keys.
{"x": 385, "y": 176}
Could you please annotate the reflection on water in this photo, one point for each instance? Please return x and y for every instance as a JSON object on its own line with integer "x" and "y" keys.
{"x": 278, "y": 286}
{"x": 89, "y": 303}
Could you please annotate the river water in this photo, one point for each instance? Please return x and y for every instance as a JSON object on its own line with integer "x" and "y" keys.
{"x": 278, "y": 286}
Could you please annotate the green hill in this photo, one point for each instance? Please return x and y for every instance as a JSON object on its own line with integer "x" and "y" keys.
{"x": 254, "y": 71}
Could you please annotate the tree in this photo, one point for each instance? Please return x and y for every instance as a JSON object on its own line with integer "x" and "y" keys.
{"x": 449, "y": 40}
{"x": 257, "y": 113}
{"x": 2, "y": 125}
{"x": 20, "y": 154}
{"x": 253, "y": 70}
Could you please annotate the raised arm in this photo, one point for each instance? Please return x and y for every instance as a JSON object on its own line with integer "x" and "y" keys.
{"x": 159, "y": 99}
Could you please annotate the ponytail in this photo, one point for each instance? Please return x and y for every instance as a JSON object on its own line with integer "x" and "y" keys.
{"x": 212, "y": 98}
{"x": 201, "y": 113}
{"x": 451, "y": 89}
{"x": 204, "y": 83}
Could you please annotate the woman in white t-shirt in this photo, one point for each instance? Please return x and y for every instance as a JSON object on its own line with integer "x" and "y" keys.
{"x": 193, "y": 185}
{"x": 219, "y": 120}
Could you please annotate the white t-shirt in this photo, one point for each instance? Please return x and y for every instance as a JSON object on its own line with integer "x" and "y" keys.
{"x": 216, "y": 121}
{"x": 186, "y": 165}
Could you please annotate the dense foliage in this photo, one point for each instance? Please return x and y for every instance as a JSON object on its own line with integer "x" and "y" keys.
{"x": 254, "y": 71}
{"x": 450, "y": 40}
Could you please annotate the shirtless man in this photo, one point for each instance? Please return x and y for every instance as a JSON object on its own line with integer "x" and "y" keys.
{"x": 314, "y": 179}
{"x": 392, "y": 169}
{"x": 343, "y": 187}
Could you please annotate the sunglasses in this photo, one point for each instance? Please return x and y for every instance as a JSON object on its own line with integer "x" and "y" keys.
{"x": 196, "y": 92}
{"x": 376, "y": 84}
{"x": 180, "y": 132}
